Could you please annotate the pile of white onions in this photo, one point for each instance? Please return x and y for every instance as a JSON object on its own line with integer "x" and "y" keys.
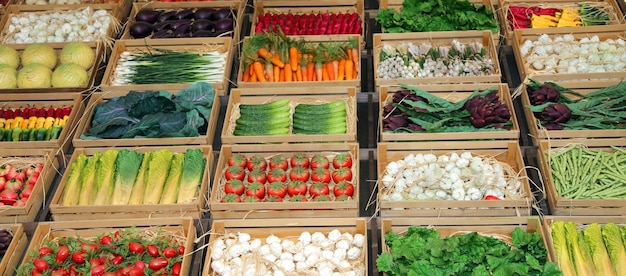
{"x": 564, "y": 54}
{"x": 83, "y": 24}
{"x": 449, "y": 177}
{"x": 54, "y": 2}
{"x": 311, "y": 254}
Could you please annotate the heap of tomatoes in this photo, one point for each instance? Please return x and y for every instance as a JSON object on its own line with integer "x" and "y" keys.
{"x": 297, "y": 178}
{"x": 125, "y": 252}
{"x": 17, "y": 182}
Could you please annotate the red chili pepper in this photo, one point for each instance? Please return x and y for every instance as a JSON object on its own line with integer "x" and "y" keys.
{"x": 491, "y": 197}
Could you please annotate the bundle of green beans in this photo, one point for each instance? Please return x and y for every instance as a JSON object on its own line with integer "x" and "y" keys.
{"x": 581, "y": 173}
{"x": 162, "y": 66}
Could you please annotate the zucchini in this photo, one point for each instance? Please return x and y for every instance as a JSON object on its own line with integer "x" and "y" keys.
{"x": 265, "y": 106}
{"x": 321, "y": 108}
{"x": 249, "y": 132}
{"x": 274, "y": 112}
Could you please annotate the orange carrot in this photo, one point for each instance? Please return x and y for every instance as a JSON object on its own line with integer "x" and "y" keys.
{"x": 299, "y": 74}
{"x": 288, "y": 72}
{"x": 330, "y": 68}
{"x": 342, "y": 69}
{"x": 246, "y": 75}
{"x": 293, "y": 58}
{"x": 269, "y": 69}
{"x": 304, "y": 73}
{"x": 253, "y": 78}
{"x": 355, "y": 57}
{"x": 274, "y": 58}
{"x": 325, "y": 75}
{"x": 348, "y": 69}
{"x": 335, "y": 69}
{"x": 310, "y": 71}
{"x": 319, "y": 71}
{"x": 258, "y": 71}
{"x": 276, "y": 73}
{"x": 281, "y": 78}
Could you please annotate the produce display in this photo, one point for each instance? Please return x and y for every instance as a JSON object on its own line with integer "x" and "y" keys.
{"x": 181, "y": 23}
{"x": 408, "y": 60}
{"x": 132, "y": 251}
{"x": 591, "y": 249}
{"x": 308, "y": 253}
{"x": 153, "y": 114}
{"x": 297, "y": 178}
{"x": 163, "y": 66}
{"x": 5, "y": 240}
{"x": 83, "y": 24}
{"x": 274, "y": 57}
{"x": 575, "y": 14}
{"x": 559, "y": 108}
{"x": 581, "y": 173}
{"x": 32, "y": 123}
{"x": 18, "y": 176}
{"x": 435, "y": 16}
{"x": 68, "y": 2}
{"x": 127, "y": 177}
{"x": 565, "y": 54}
{"x": 422, "y": 251}
{"x": 414, "y": 110}
{"x": 452, "y": 176}
{"x": 327, "y": 23}
{"x": 39, "y": 66}
{"x": 275, "y": 118}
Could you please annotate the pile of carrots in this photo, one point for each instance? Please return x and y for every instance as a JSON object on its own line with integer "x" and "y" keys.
{"x": 274, "y": 57}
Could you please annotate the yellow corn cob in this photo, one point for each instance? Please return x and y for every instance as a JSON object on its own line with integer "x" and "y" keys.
{"x": 32, "y": 121}
{"x": 49, "y": 122}
{"x": 40, "y": 122}
{"x": 8, "y": 124}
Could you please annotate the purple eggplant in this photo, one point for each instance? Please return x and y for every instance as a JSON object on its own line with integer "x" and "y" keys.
{"x": 140, "y": 29}
{"x": 147, "y": 15}
{"x": 168, "y": 15}
{"x": 185, "y": 14}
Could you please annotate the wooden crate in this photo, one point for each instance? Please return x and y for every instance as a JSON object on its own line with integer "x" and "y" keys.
{"x": 182, "y": 227}
{"x": 504, "y": 151}
{"x": 295, "y": 95}
{"x": 438, "y": 38}
{"x": 497, "y": 226}
{"x": 220, "y": 210}
{"x": 561, "y": 206}
{"x": 453, "y": 92}
{"x": 97, "y": 47}
{"x": 15, "y": 250}
{"x": 223, "y": 44}
{"x": 397, "y": 5}
{"x": 28, "y": 212}
{"x": 236, "y": 6}
{"x": 612, "y": 7}
{"x": 579, "y": 220}
{"x": 194, "y": 209}
{"x": 97, "y": 98}
{"x": 13, "y": 10}
{"x": 603, "y": 32}
{"x": 75, "y": 100}
{"x": 538, "y": 134}
{"x": 356, "y": 82}
{"x": 123, "y": 5}
{"x": 307, "y": 7}
{"x": 286, "y": 229}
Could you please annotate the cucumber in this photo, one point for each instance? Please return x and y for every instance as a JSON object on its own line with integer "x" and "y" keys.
{"x": 274, "y": 112}
{"x": 321, "y": 108}
{"x": 272, "y": 122}
{"x": 265, "y": 106}
{"x": 338, "y": 129}
{"x": 306, "y": 116}
{"x": 317, "y": 127}
{"x": 249, "y": 132}
{"x": 320, "y": 122}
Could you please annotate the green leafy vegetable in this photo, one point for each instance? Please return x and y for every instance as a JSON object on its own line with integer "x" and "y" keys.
{"x": 615, "y": 247}
{"x": 599, "y": 255}
{"x": 191, "y": 178}
{"x": 127, "y": 165}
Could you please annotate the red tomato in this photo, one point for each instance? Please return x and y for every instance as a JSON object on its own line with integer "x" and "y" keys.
{"x": 78, "y": 257}
{"x": 257, "y": 175}
{"x": 342, "y": 160}
{"x": 299, "y": 174}
{"x": 278, "y": 189}
{"x": 181, "y": 250}
{"x": 298, "y": 198}
{"x": 8, "y": 196}
{"x": 97, "y": 270}
{"x": 319, "y": 188}
{"x": 342, "y": 174}
{"x": 491, "y": 197}
{"x": 321, "y": 175}
{"x": 136, "y": 272}
{"x": 235, "y": 172}
{"x": 257, "y": 162}
{"x": 343, "y": 188}
{"x": 95, "y": 261}
{"x": 169, "y": 252}
{"x": 322, "y": 198}
{"x": 106, "y": 240}
{"x": 109, "y": 274}
{"x": 176, "y": 269}
{"x": 319, "y": 161}
{"x": 117, "y": 259}
{"x": 140, "y": 264}
{"x": 255, "y": 189}
{"x": 299, "y": 160}
{"x": 62, "y": 254}
{"x": 135, "y": 247}
{"x": 237, "y": 160}
{"x": 296, "y": 188}
{"x": 273, "y": 198}
{"x": 279, "y": 161}
{"x": 157, "y": 263}
{"x": 44, "y": 250}
{"x": 250, "y": 199}
{"x": 89, "y": 247}
{"x": 277, "y": 175}
{"x": 26, "y": 192}
{"x": 40, "y": 265}
{"x": 342, "y": 198}
{"x": 152, "y": 250}
{"x": 231, "y": 198}
{"x": 60, "y": 272}
{"x": 234, "y": 186}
